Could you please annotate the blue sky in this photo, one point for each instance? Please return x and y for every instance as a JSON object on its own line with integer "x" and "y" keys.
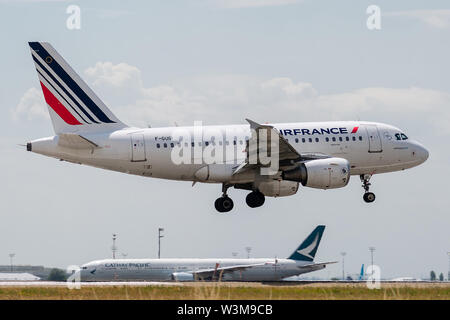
{"x": 160, "y": 62}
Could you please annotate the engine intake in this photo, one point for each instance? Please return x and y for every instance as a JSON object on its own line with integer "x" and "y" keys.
{"x": 327, "y": 173}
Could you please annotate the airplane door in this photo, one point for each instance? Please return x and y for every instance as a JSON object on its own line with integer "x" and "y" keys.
{"x": 374, "y": 138}
{"x": 137, "y": 147}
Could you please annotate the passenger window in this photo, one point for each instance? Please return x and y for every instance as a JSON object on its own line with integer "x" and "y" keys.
{"x": 347, "y": 139}
{"x": 220, "y": 142}
{"x": 296, "y": 140}
{"x": 303, "y": 140}
{"x": 354, "y": 138}
{"x": 158, "y": 145}
{"x": 360, "y": 138}
{"x": 240, "y": 141}
{"x": 310, "y": 140}
{"x": 165, "y": 145}
{"x": 327, "y": 139}
{"x": 228, "y": 142}
{"x": 340, "y": 138}
{"x": 171, "y": 145}
{"x": 317, "y": 139}
{"x": 192, "y": 144}
{"x": 206, "y": 143}
{"x": 334, "y": 138}
{"x": 186, "y": 144}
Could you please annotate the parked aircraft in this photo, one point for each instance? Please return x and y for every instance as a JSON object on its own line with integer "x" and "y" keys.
{"x": 262, "y": 269}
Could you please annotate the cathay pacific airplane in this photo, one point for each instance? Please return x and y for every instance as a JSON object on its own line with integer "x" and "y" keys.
{"x": 269, "y": 160}
{"x": 263, "y": 269}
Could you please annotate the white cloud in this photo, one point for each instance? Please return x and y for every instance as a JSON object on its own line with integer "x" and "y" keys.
{"x": 226, "y": 99}
{"x": 31, "y": 106}
{"x": 434, "y": 18}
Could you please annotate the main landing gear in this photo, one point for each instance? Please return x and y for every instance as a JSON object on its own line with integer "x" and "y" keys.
{"x": 255, "y": 199}
{"x": 368, "y": 196}
{"x": 224, "y": 203}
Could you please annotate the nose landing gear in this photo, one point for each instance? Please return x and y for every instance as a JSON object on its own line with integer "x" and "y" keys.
{"x": 368, "y": 196}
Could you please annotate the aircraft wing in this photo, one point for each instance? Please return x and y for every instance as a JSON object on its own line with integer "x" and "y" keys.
{"x": 75, "y": 141}
{"x": 218, "y": 271}
{"x": 287, "y": 154}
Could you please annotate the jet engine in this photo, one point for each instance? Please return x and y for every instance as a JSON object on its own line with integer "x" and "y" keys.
{"x": 182, "y": 276}
{"x": 327, "y": 173}
{"x": 278, "y": 188}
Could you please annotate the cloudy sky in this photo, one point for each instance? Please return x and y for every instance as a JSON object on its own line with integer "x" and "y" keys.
{"x": 159, "y": 63}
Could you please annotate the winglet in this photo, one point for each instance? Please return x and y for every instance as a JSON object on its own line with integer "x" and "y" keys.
{"x": 256, "y": 125}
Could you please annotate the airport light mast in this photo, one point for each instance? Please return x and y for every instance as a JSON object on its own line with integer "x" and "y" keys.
{"x": 11, "y": 256}
{"x": 371, "y": 249}
{"x": 343, "y": 264}
{"x": 448, "y": 273}
{"x": 248, "y": 249}
{"x": 159, "y": 241}
{"x": 114, "y": 247}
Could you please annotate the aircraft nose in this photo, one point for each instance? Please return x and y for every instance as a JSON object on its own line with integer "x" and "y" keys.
{"x": 421, "y": 152}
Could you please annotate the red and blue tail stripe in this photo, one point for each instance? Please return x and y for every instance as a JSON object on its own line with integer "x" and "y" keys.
{"x": 67, "y": 93}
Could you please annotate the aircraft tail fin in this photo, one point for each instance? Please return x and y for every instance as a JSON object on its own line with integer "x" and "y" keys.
{"x": 308, "y": 248}
{"x": 361, "y": 275}
{"x": 72, "y": 105}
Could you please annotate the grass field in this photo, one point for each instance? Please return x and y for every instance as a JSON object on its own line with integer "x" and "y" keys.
{"x": 235, "y": 291}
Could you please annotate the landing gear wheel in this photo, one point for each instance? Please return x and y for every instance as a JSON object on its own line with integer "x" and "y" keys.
{"x": 369, "y": 197}
{"x": 255, "y": 199}
{"x": 224, "y": 204}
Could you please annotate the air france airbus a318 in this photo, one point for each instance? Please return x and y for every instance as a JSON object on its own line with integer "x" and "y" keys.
{"x": 269, "y": 160}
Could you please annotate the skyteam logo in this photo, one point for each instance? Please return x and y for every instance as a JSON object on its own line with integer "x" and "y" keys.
{"x": 316, "y": 131}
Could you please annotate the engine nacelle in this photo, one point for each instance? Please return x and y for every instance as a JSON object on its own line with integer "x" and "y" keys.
{"x": 182, "y": 276}
{"x": 327, "y": 173}
{"x": 278, "y": 188}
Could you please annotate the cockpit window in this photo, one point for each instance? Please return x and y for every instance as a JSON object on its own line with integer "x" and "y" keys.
{"x": 401, "y": 136}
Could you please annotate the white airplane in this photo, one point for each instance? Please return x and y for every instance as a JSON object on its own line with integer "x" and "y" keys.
{"x": 319, "y": 155}
{"x": 263, "y": 269}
